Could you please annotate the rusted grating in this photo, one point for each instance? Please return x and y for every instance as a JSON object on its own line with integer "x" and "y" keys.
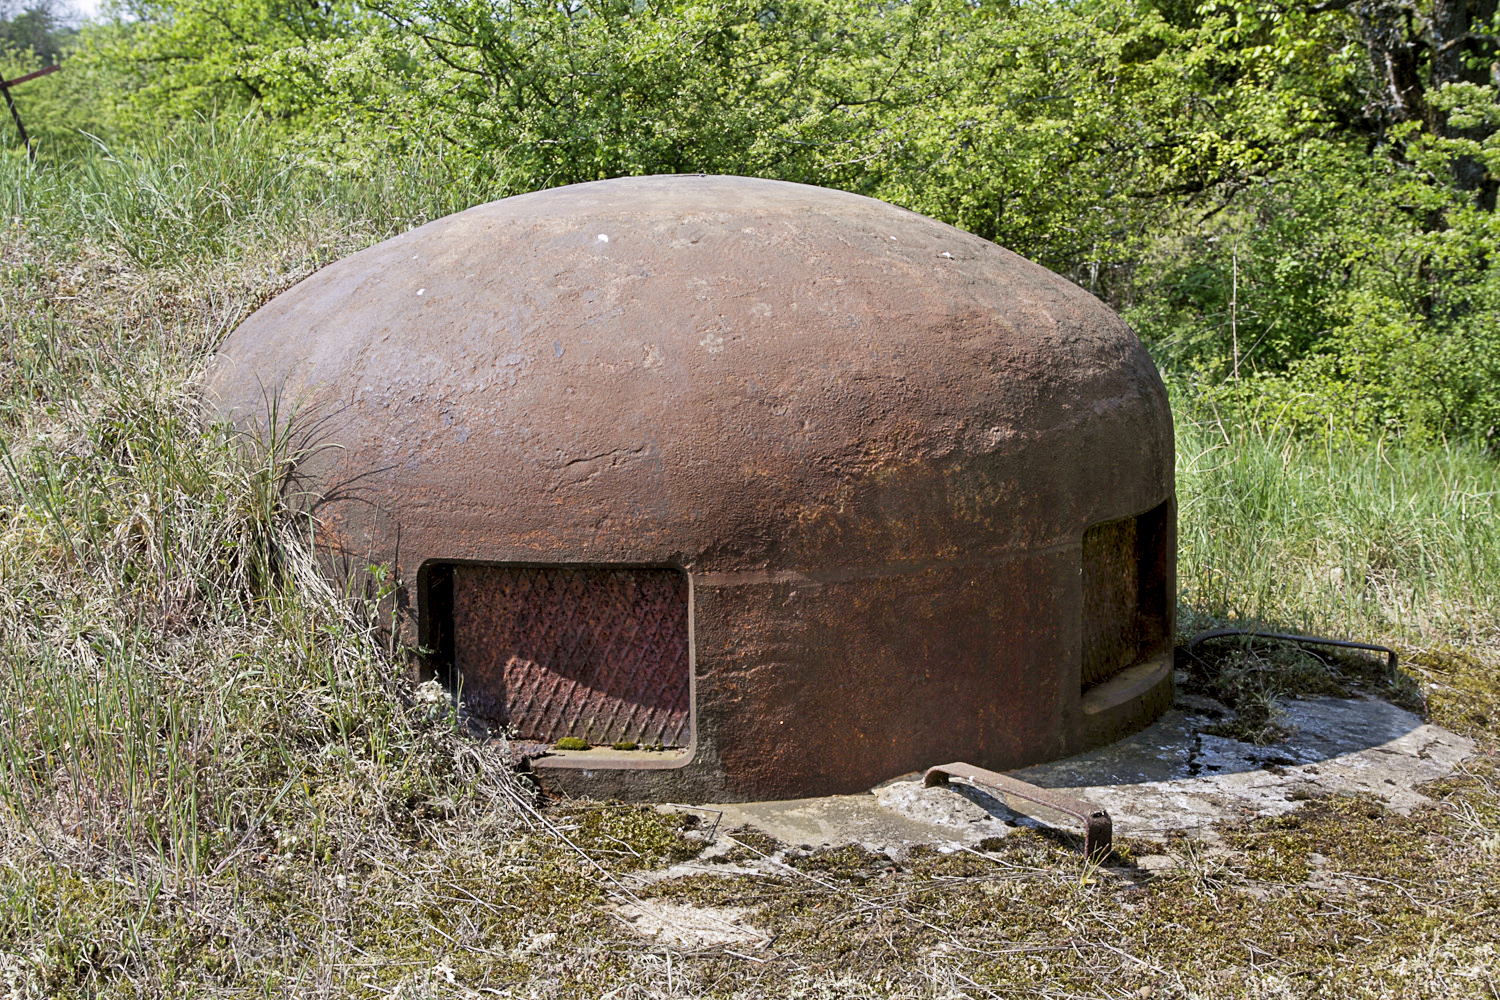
{"x": 599, "y": 653}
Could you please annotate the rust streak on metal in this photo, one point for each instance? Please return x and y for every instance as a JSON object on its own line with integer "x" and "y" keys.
{"x": 1094, "y": 822}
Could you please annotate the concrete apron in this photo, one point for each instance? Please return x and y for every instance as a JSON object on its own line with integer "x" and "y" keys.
{"x": 1171, "y": 776}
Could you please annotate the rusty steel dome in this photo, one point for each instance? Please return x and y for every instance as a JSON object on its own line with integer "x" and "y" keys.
{"x": 760, "y": 490}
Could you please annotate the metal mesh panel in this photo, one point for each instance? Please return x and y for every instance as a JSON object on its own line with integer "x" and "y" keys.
{"x": 597, "y": 653}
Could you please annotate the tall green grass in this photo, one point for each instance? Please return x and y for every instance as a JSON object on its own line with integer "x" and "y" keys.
{"x": 218, "y": 189}
{"x": 1376, "y": 538}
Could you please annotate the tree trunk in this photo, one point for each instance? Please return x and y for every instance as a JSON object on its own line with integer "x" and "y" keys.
{"x": 1464, "y": 51}
{"x": 1396, "y": 53}
{"x": 1412, "y": 57}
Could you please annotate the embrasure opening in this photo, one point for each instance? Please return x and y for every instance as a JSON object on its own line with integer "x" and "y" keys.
{"x": 1126, "y": 607}
{"x": 597, "y": 653}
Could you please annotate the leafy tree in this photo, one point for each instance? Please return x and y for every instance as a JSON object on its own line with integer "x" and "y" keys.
{"x": 189, "y": 57}
{"x": 38, "y": 26}
{"x": 1294, "y": 199}
{"x": 54, "y": 108}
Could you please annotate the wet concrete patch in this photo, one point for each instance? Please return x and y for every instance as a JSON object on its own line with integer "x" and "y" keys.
{"x": 1174, "y": 776}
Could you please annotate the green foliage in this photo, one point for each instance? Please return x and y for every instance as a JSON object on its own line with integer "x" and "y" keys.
{"x": 1347, "y": 292}
{"x": 37, "y": 28}
{"x": 1236, "y": 176}
{"x": 207, "y": 55}
{"x": 1055, "y": 130}
{"x": 60, "y": 111}
{"x": 1070, "y": 128}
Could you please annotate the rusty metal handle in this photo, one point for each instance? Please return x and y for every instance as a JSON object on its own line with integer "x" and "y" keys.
{"x": 1313, "y": 640}
{"x": 1098, "y": 829}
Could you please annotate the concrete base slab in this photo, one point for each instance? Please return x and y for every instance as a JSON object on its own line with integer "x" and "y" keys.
{"x": 1173, "y": 775}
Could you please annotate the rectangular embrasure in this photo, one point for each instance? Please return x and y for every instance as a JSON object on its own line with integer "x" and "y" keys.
{"x": 598, "y": 653}
{"x": 1125, "y": 610}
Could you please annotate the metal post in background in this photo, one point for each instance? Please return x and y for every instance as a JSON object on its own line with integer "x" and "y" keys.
{"x": 15, "y": 112}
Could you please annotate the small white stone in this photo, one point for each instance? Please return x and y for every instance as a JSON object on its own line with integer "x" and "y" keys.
{"x": 603, "y": 238}
{"x": 421, "y": 290}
